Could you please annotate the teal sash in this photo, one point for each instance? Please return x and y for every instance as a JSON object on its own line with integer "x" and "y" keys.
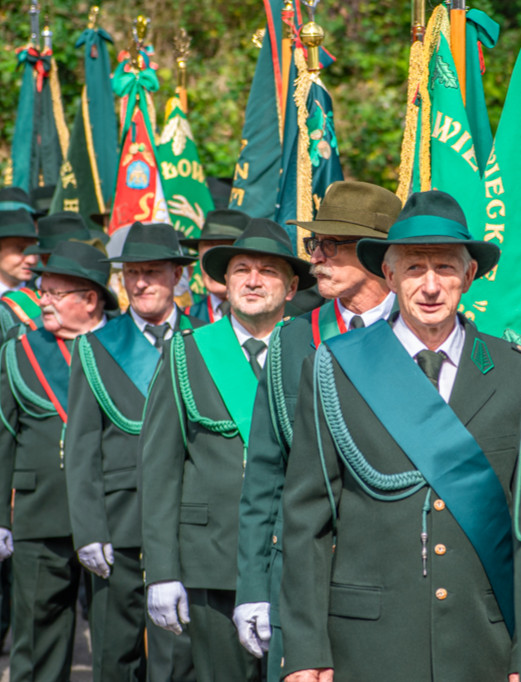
{"x": 437, "y": 443}
{"x": 129, "y": 348}
{"x": 324, "y": 323}
{"x": 230, "y": 371}
{"x": 51, "y": 360}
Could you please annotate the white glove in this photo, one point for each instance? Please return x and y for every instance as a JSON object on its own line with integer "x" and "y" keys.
{"x": 168, "y": 605}
{"x": 97, "y": 557}
{"x": 253, "y": 625}
{"x": 6, "y": 543}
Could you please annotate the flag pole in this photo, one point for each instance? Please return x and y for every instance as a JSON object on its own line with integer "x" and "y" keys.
{"x": 417, "y": 20}
{"x": 34, "y": 15}
{"x": 181, "y": 43}
{"x": 458, "y": 20}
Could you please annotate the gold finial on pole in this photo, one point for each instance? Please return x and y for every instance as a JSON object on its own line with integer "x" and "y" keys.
{"x": 47, "y": 35}
{"x": 181, "y": 44}
{"x": 312, "y": 35}
{"x": 139, "y": 32}
{"x": 93, "y": 16}
{"x": 417, "y": 20}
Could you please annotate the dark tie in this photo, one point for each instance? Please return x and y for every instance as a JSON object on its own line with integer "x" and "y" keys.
{"x": 224, "y": 307}
{"x": 158, "y": 331}
{"x": 356, "y": 322}
{"x": 430, "y": 362}
{"x": 253, "y": 348}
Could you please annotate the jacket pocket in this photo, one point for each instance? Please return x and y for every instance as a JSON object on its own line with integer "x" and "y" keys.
{"x": 493, "y": 611}
{"x": 195, "y": 514}
{"x": 120, "y": 479}
{"x": 24, "y": 480}
{"x": 355, "y": 601}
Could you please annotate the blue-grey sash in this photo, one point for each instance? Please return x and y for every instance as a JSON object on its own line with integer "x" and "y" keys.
{"x": 437, "y": 443}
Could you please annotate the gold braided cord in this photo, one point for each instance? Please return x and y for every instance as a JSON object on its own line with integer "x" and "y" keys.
{"x": 438, "y": 24}
{"x": 57, "y": 107}
{"x": 90, "y": 150}
{"x": 411, "y": 122}
{"x": 304, "y": 170}
{"x": 151, "y": 114}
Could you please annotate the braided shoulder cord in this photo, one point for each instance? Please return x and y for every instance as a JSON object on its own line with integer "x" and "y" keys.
{"x": 281, "y": 423}
{"x": 2, "y": 416}
{"x": 24, "y": 395}
{"x": 6, "y": 321}
{"x": 372, "y": 481}
{"x": 88, "y": 362}
{"x": 225, "y": 427}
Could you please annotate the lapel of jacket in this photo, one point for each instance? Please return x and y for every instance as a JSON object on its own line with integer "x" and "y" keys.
{"x": 472, "y": 389}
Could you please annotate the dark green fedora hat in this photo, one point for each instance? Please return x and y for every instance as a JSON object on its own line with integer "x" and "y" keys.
{"x": 224, "y": 224}
{"x": 263, "y": 237}
{"x": 431, "y": 217}
{"x": 153, "y": 241}
{"x": 17, "y": 223}
{"x": 60, "y": 227}
{"x": 41, "y": 199}
{"x": 76, "y": 259}
{"x": 354, "y": 209}
{"x": 13, "y": 198}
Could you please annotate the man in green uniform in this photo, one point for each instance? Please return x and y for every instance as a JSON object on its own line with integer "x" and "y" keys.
{"x": 193, "y": 463}
{"x": 399, "y": 546}
{"x": 34, "y": 376}
{"x": 349, "y": 211}
{"x": 111, "y": 370}
{"x": 221, "y": 227}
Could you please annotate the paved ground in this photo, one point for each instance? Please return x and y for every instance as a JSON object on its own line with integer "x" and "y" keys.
{"x": 81, "y": 667}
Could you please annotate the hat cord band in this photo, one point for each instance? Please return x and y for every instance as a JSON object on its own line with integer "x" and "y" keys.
{"x": 14, "y": 206}
{"x": 428, "y": 226}
{"x": 74, "y": 269}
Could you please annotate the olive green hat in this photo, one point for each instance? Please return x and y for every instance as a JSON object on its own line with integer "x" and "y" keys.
{"x": 354, "y": 209}
{"x": 263, "y": 237}
{"x": 224, "y": 224}
{"x": 17, "y": 223}
{"x": 59, "y": 227}
{"x": 76, "y": 259}
{"x": 154, "y": 241}
{"x": 431, "y": 217}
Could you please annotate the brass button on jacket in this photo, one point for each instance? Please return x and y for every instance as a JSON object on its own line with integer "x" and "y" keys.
{"x": 441, "y": 593}
{"x": 440, "y": 549}
{"x": 439, "y": 505}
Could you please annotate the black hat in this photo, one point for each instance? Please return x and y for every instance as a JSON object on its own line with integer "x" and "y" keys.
{"x": 41, "y": 199}
{"x": 13, "y": 198}
{"x": 261, "y": 236}
{"x": 59, "y": 227}
{"x": 17, "y": 223}
{"x": 76, "y": 259}
{"x": 354, "y": 209}
{"x": 154, "y": 241}
{"x": 224, "y": 224}
{"x": 431, "y": 217}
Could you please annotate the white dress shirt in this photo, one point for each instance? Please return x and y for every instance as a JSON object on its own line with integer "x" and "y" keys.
{"x": 452, "y": 347}
{"x": 243, "y": 335}
{"x": 141, "y": 323}
{"x": 379, "y": 312}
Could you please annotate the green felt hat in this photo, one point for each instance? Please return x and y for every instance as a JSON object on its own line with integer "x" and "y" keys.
{"x": 41, "y": 199}
{"x": 264, "y": 237}
{"x": 60, "y": 227}
{"x": 154, "y": 241}
{"x": 354, "y": 209}
{"x": 13, "y": 198}
{"x": 224, "y": 224}
{"x": 17, "y": 223}
{"x": 431, "y": 217}
{"x": 76, "y": 259}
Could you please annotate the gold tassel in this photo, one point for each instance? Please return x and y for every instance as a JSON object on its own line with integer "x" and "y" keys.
{"x": 90, "y": 150}
{"x": 304, "y": 170}
{"x": 57, "y": 106}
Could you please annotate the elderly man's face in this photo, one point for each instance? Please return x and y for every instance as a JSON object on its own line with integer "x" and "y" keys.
{"x": 259, "y": 285}
{"x": 150, "y": 288}
{"x": 429, "y": 282}
{"x": 67, "y": 305}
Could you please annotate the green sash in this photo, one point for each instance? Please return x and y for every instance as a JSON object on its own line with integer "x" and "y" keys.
{"x": 437, "y": 443}
{"x": 231, "y": 372}
{"x": 324, "y": 323}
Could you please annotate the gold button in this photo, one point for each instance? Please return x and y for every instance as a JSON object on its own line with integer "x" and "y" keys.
{"x": 439, "y": 505}
{"x": 441, "y": 593}
{"x": 440, "y": 549}
{"x": 275, "y": 539}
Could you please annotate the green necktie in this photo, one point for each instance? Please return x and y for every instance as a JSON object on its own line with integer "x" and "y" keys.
{"x": 430, "y": 363}
{"x": 356, "y": 322}
{"x": 253, "y": 348}
{"x": 158, "y": 331}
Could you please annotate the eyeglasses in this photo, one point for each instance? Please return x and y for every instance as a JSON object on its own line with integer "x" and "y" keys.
{"x": 329, "y": 247}
{"x": 58, "y": 295}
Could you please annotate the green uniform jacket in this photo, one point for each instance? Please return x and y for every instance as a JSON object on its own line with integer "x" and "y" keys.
{"x": 31, "y": 463}
{"x": 190, "y": 495}
{"x": 101, "y": 458}
{"x": 366, "y": 609}
{"x": 260, "y": 531}
{"x": 199, "y": 310}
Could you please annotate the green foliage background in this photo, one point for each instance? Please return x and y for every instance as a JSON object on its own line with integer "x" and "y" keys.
{"x": 369, "y": 38}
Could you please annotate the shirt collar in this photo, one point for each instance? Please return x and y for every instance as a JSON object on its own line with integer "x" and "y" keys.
{"x": 379, "y": 312}
{"x": 243, "y": 334}
{"x": 452, "y": 346}
{"x": 141, "y": 323}
{"x": 4, "y": 289}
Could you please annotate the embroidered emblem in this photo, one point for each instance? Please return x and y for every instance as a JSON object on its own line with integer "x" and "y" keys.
{"x": 138, "y": 175}
{"x": 481, "y": 357}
